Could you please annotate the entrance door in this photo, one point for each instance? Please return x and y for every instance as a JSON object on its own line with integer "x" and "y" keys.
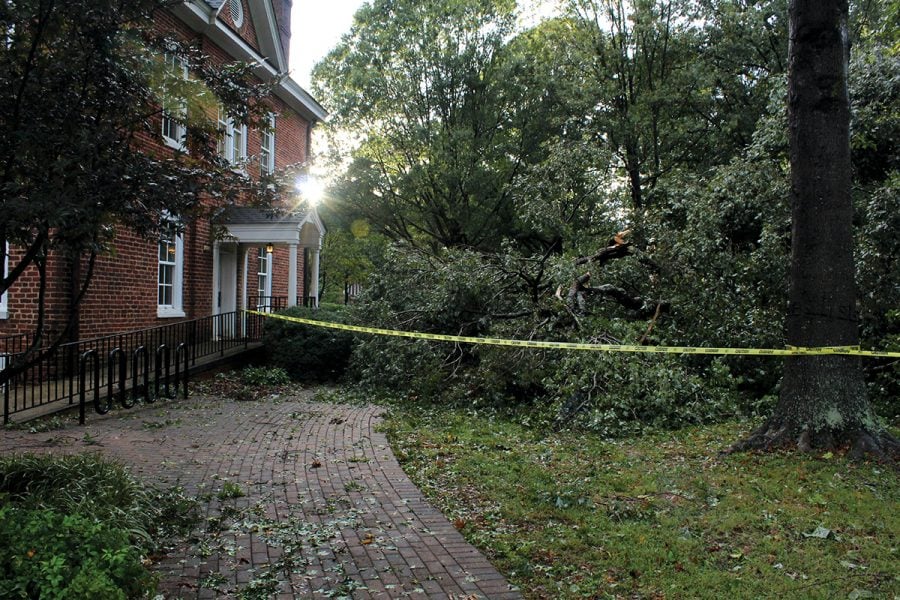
{"x": 226, "y": 295}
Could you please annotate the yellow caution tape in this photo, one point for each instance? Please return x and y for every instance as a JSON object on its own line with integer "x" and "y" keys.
{"x": 462, "y": 339}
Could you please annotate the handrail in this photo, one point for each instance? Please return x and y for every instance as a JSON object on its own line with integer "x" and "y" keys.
{"x": 56, "y": 376}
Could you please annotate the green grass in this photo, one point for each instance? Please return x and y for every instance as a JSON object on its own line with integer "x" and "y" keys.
{"x": 661, "y": 516}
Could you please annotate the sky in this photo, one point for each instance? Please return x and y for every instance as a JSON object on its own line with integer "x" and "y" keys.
{"x": 317, "y": 27}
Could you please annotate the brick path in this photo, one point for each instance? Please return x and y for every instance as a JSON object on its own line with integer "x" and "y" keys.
{"x": 326, "y": 511}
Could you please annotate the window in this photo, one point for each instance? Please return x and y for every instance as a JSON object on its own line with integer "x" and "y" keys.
{"x": 174, "y": 110}
{"x": 264, "y": 282}
{"x": 4, "y": 268}
{"x": 237, "y": 12}
{"x": 171, "y": 265}
{"x": 232, "y": 143}
{"x": 267, "y": 147}
{"x": 9, "y": 35}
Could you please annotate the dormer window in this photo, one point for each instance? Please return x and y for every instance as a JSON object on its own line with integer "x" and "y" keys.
{"x": 237, "y": 12}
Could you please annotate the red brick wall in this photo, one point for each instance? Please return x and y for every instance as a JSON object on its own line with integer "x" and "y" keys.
{"x": 247, "y": 30}
{"x": 22, "y": 297}
{"x": 280, "y": 268}
{"x": 123, "y": 293}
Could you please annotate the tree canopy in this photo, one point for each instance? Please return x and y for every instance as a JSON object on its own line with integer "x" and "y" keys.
{"x": 620, "y": 171}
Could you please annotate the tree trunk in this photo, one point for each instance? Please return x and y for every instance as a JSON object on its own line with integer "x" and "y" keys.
{"x": 823, "y": 402}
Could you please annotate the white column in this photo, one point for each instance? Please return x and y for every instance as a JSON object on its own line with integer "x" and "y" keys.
{"x": 292, "y": 275}
{"x": 314, "y": 280}
{"x": 245, "y": 251}
{"x": 243, "y": 316}
{"x": 216, "y": 294}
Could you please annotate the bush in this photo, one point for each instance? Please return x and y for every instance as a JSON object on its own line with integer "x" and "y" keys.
{"x": 77, "y": 527}
{"x": 104, "y": 490}
{"x": 309, "y": 353}
{"x": 50, "y": 555}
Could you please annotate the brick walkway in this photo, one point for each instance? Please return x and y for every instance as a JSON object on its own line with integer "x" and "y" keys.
{"x": 301, "y": 500}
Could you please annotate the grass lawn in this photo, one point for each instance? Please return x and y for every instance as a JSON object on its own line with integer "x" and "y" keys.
{"x": 660, "y": 516}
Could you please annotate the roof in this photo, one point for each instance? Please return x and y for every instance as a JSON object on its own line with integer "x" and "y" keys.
{"x": 270, "y": 65}
{"x": 248, "y": 225}
{"x": 245, "y": 215}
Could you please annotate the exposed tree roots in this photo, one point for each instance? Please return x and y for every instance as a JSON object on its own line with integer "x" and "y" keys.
{"x": 860, "y": 443}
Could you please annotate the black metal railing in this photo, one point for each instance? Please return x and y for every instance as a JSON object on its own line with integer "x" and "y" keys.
{"x": 267, "y": 303}
{"x": 307, "y": 301}
{"x": 12, "y": 344}
{"x": 124, "y": 360}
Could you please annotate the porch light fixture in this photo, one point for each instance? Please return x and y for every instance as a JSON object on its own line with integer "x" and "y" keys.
{"x": 270, "y": 248}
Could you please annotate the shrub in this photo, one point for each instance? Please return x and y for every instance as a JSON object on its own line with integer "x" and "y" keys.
{"x": 90, "y": 485}
{"x": 77, "y": 527}
{"x": 50, "y": 555}
{"x": 265, "y": 376}
{"x": 308, "y": 353}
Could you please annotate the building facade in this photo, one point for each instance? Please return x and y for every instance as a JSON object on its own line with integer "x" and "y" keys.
{"x": 252, "y": 258}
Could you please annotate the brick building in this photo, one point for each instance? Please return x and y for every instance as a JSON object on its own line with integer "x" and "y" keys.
{"x": 195, "y": 274}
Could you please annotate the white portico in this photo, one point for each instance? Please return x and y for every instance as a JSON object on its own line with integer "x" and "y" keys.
{"x": 247, "y": 229}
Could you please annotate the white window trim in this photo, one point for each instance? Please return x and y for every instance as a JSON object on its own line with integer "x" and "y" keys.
{"x": 227, "y": 127}
{"x": 268, "y": 289}
{"x": 239, "y": 154}
{"x": 4, "y": 310}
{"x": 267, "y": 167}
{"x": 180, "y": 129}
{"x": 176, "y": 309}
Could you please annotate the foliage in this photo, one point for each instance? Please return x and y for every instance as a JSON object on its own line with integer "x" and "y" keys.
{"x": 230, "y": 490}
{"x": 51, "y": 555}
{"x": 664, "y": 121}
{"x": 308, "y": 353}
{"x": 87, "y": 484}
{"x": 257, "y": 376}
{"x": 78, "y": 526}
{"x": 427, "y": 83}
{"x": 609, "y": 393}
{"x": 564, "y": 515}
{"x": 350, "y": 253}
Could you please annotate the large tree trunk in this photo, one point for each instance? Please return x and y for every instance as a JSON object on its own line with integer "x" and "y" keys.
{"x": 823, "y": 399}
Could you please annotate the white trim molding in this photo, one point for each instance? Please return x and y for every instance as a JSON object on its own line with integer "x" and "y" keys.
{"x": 170, "y": 274}
{"x": 4, "y": 307}
{"x": 200, "y": 17}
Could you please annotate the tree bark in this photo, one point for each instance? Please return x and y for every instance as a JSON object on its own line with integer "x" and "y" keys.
{"x": 823, "y": 400}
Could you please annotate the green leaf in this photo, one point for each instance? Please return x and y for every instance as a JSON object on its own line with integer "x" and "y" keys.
{"x": 820, "y": 532}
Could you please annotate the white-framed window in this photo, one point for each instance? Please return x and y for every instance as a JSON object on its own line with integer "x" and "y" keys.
{"x": 174, "y": 110}
{"x": 264, "y": 280}
{"x": 4, "y": 311}
{"x": 267, "y": 147}
{"x": 232, "y": 142}
{"x": 170, "y": 272}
